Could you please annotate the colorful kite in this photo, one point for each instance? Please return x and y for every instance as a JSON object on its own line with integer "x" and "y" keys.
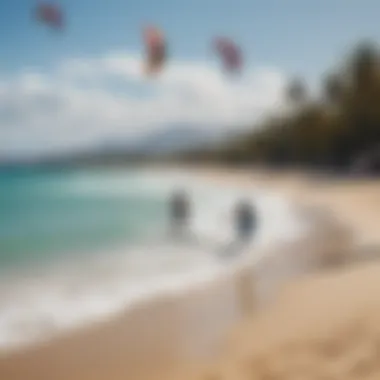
{"x": 156, "y": 49}
{"x": 50, "y": 14}
{"x": 229, "y": 53}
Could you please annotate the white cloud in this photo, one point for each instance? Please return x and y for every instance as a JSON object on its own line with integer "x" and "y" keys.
{"x": 87, "y": 101}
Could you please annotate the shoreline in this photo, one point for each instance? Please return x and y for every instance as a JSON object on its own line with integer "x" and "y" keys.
{"x": 169, "y": 332}
{"x": 72, "y": 284}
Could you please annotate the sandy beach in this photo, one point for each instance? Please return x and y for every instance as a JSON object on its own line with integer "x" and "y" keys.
{"x": 324, "y": 324}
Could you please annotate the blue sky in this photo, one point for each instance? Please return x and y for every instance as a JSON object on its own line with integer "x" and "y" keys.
{"x": 296, "y": 35}
{"x": 285, "y": 36}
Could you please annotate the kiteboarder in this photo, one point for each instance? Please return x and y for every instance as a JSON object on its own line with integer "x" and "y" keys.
{"x": 245, "y": 220}
{"x": 179, "y": 209}
{"x": 245, "y": 225}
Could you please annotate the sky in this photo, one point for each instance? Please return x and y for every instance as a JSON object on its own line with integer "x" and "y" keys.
{"x": 85, "y": 85}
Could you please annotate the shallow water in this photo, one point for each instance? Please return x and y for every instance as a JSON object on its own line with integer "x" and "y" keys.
{"x": 79, "y": 245}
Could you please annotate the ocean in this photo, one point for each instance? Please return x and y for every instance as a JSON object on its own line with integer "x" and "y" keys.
{"x": 79, "y": 245}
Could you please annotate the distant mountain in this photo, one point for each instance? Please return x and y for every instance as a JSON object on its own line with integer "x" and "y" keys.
{"x": 169, "y": 140}
{"x": 178, "y": 138}
{"x": 172, "y": 139}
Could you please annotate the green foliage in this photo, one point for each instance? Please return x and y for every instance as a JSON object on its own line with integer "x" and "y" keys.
{"x": 332, "y": 130}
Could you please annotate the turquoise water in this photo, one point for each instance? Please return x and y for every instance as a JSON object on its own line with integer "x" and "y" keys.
{"x": 77, "y": 246}
{"x": 44, "y": 214}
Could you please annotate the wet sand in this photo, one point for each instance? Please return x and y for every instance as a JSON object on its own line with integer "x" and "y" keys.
{"x": 323, "y": 324}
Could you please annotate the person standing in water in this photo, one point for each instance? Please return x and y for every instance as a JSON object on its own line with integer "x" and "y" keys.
{"x": 245, "y": 220}
{"x": 179, "y": 209}
{"x": 245, "y": 225}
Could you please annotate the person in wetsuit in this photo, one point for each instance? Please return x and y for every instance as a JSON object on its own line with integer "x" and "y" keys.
{"x": 179, "y": 209}
{"x": 245, "y": 220}
{"x": 245, "y": 226}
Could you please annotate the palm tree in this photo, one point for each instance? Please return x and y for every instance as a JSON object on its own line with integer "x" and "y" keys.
{"x": 364, "y": 66}
{"x": 296, "y": 92}
{"x": 333, "y": 89}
